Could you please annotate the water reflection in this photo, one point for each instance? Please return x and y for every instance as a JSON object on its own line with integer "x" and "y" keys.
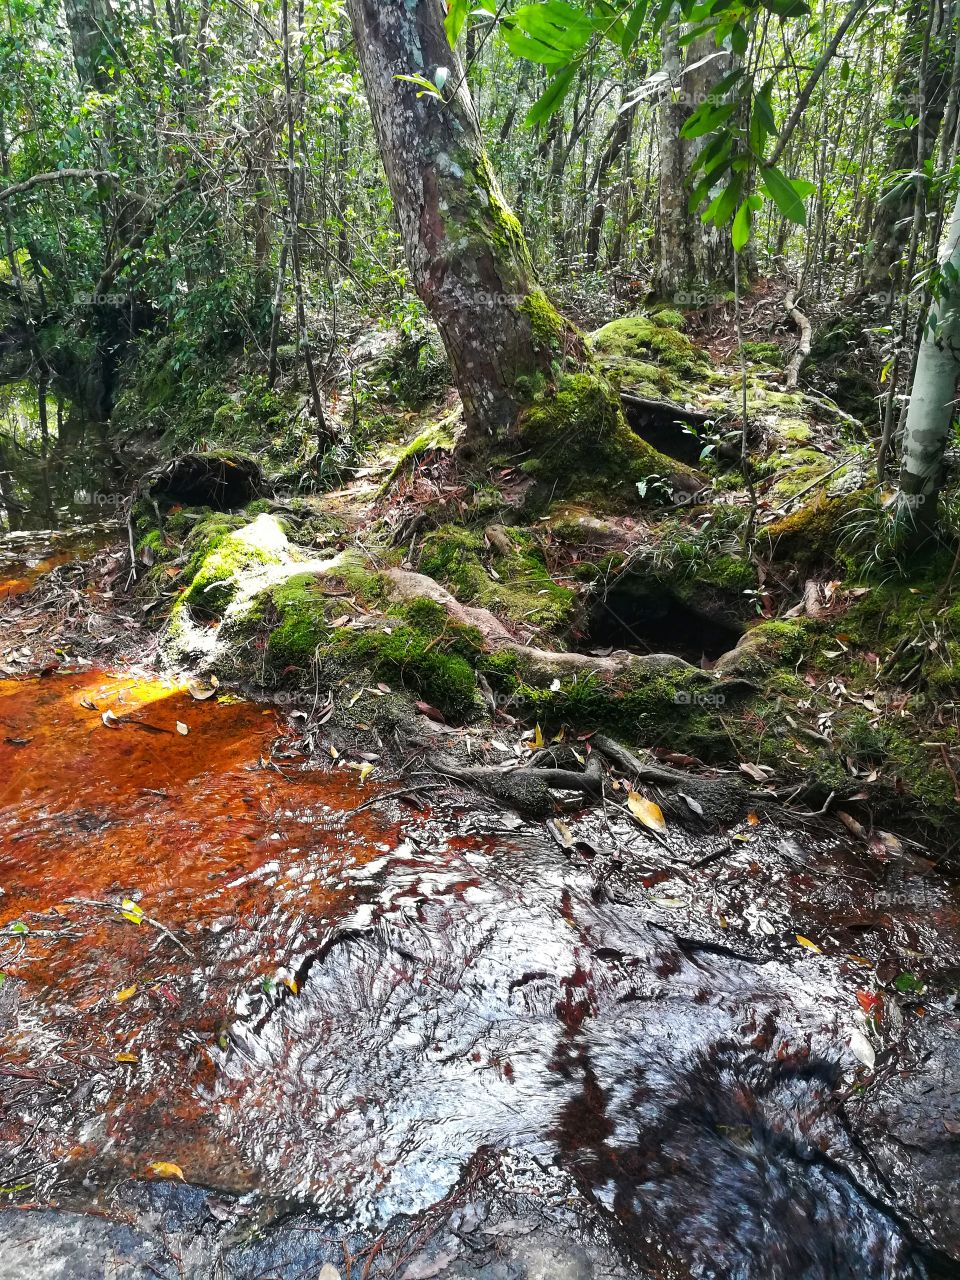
{"x": 57, "y": 468}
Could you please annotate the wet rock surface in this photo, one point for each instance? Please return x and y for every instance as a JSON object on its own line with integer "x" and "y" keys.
{"x": 422, "y": 1043}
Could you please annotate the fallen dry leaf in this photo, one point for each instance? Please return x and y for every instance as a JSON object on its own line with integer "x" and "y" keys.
{"x": 647, "y": 813}
{"x": 200, "y": 691}
{"x": 810, "y": 946}
{"x": 125, "y": 993}
{"x": 166, "y": 1169}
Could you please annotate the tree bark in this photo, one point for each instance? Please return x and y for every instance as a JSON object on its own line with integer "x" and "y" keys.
{"x": 921, "y": 83}
{"x": 695, "y": 259}
{"x": 466, "y": 252}
{"x": 932, "y": 403}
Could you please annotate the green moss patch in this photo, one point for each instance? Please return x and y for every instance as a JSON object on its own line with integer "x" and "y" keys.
{"x": 508, "y": 576}
{"x": 581, "y": 445}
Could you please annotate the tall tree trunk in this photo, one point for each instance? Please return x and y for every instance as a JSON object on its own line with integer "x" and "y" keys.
{"x": 694, "y": 257}
{"x": 466, "y": 252}
{"x": 923, "y": 67}
{"x": 932, "y": 401}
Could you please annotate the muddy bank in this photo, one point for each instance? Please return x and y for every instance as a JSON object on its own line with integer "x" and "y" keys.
{"x": 435, "y": 1039}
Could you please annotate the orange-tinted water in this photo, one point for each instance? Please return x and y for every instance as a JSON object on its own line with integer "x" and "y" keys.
{"x": 244, "y": 866}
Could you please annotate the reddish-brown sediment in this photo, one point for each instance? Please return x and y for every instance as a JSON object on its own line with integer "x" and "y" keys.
{"x": 247, "y": 868}
{"x": 14, "y": 584}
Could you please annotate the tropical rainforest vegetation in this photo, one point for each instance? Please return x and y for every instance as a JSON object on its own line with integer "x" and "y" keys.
{"x": 479, "y": 548}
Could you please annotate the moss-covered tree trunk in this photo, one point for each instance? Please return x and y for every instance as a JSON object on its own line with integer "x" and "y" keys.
{"x": 466, "y": 252}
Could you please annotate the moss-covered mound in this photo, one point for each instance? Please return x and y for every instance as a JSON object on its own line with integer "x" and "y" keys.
{"x": 581, "y": 447}
{"x": 650, "y": 356}
{"x": 501, "y": 569}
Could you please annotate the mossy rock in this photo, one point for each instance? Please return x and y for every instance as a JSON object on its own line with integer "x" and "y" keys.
{"x": 811, "y": 534}
{"x": 522, "y": 591}
{"x": 648, "y": 339}
{"x": 581, "y": 446}
{"x": 219, "y": 551}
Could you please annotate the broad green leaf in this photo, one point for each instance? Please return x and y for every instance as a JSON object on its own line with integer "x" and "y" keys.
{"x": 525, "y": 46}
{"x": 743, "y": 222}
{"x": 707, "y": 183}
{"x": 742, "y": 226}
{"x": 706, "y": 118}
{"x": 763, "y": 110}
{"x": 786, "y": 8}
{"x": 739, "y": 39}
{"x": 720, "y": 210}
{"x": 457, "y": 13}
{"x": 632, "y": 29}
{"x": 714, "y": 149}
{"x": 552, "y": 97}
{"x": 784, "y": 194}
{"x": 557, "y": 24}
{"x": 423, "y": 84}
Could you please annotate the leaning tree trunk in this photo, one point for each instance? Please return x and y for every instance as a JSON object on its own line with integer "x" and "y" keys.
{"x": 932, "y": 402}
{"x": 466, "y": 252}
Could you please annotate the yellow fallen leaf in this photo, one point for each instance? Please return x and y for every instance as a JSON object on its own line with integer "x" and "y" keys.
{"x": 537, "y": 739}
{"x": 164, "y": 1169}
{"x": 811, "y": 946}
{"x": 365, "y": 771}
{"x": 125, "y": 993}
{"x": 130, "y": 911}
{"x": 647, "y": 813}
{"x": 125, "y": 1057}
{"x": 292, "y": 984}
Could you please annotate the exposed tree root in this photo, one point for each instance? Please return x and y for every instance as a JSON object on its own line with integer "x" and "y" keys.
{"x": 528, "y": 788}
{"x": 541, "y": 665}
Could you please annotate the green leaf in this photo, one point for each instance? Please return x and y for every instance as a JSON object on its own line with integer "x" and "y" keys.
{"x": 533, "y": 50}
{"x": 706, "y": 118}
{"x": 763, "y": 110}
{"x": 743, "y": 222}
{"x": 908, "y": 984}
{"x": 457, "y": 13}
{"x": 716, "y": 147}
{"x": 721, "y": 208}
{"x": 632, "y": 29}
{"x": 785, "y": 195}
{"x": 786, "y": 8}
{"x": 739, "y": 39}
{"x": 707, "y": 183}
{"x": 552, "y": 97}
{"x": 556, "y": 24}
{"x": 426, "y": 86}
{"x": 19, "y": 927}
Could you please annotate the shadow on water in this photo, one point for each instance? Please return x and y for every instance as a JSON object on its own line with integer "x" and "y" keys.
{"x": 358, "y": 1012}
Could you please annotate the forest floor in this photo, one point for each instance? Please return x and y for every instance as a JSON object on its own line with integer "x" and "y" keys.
{"x": 419, "y": 869}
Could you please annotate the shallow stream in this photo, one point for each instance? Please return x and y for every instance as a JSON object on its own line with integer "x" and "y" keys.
{"x": 260, "y": 1014}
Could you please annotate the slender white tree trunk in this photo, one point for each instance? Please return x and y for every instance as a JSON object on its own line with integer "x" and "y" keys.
{"x": 933, "y": 396}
